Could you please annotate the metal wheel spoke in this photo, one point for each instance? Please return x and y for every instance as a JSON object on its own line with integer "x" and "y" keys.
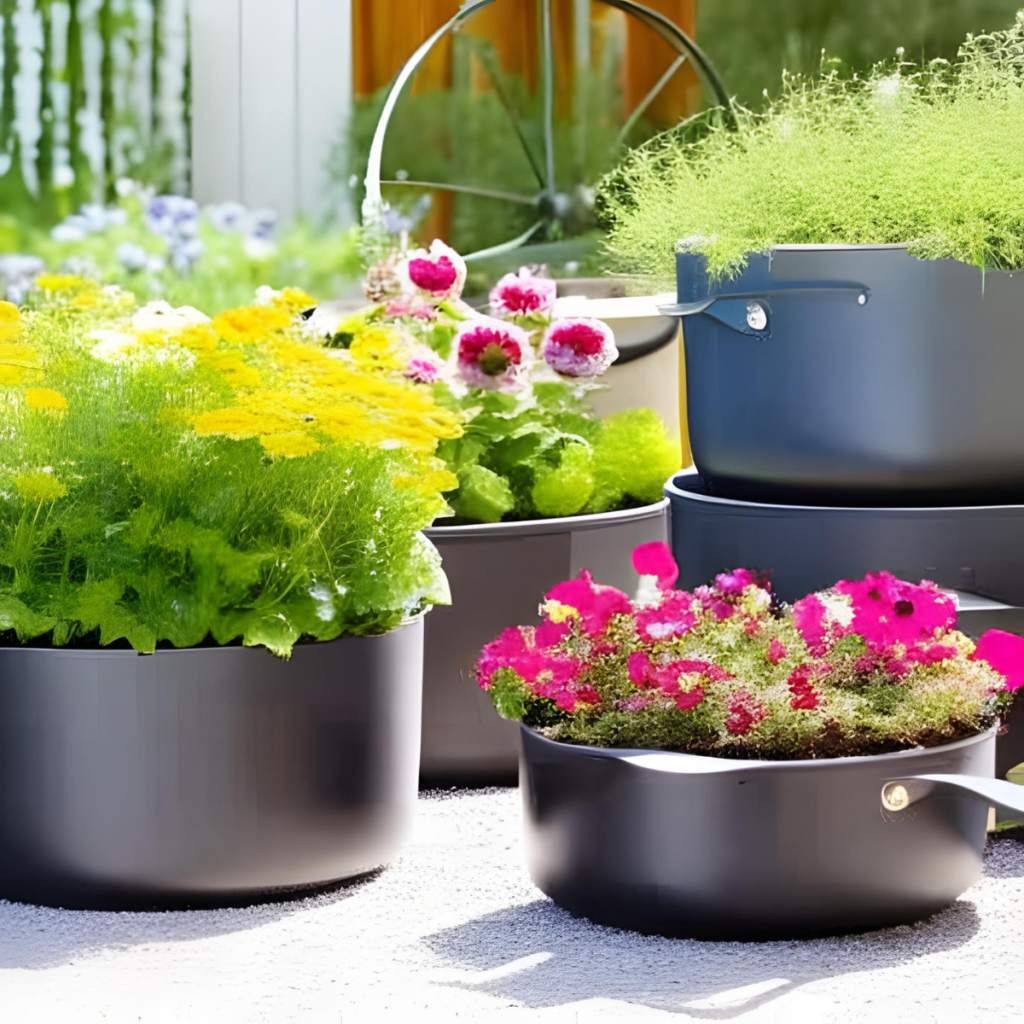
{"x": 649, "y": 99}
{"x": 484, "y": 193}
{"x": 500, "y": 250}
{"x": 549, "y": 95}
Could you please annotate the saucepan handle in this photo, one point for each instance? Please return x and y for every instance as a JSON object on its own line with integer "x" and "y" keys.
{"x": 899, "y": 794}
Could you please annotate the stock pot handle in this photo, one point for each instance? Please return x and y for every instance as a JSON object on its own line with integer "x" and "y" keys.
{"x": 899, "y": 794}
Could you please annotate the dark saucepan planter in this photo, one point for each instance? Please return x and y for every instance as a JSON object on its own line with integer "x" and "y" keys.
{"x": 499, "y": 573}
{"x": 208, "y": 776}
{"x": 854, "y": 373}
{"x": 681, "y": 845}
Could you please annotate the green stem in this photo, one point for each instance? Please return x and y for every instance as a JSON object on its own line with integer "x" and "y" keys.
{"x": 8, "y": 8}
{"x": 45, "y": 146}
{"x": 186, "y": 101}
{"x": 107, "y": 106}
{"x": 156, "y": 55}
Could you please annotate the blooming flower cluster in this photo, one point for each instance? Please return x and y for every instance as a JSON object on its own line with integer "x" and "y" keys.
{"x": 865, "y": 667}
{"x": 531, "y": 446}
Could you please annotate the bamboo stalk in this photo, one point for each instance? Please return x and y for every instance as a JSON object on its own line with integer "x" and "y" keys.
{"x": 107, "y": 105}
{"x": 156, "y": 56}
{"x": 8, "y": 8}
{"x": 47, "y": 207}
{"x": 75, "y": 74}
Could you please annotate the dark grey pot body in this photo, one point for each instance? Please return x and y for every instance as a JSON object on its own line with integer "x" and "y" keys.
{"x": 679, "y": 845}
{"x": 877, "y": 377}
{"x": 206, "y": 776}
{"x": 499, "y": 574}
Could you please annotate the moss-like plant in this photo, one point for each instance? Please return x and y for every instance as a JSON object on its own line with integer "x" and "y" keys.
{"x": 870, "y": 666}
{"x": 165, "y": 478}
{"x": 931, "y": 156}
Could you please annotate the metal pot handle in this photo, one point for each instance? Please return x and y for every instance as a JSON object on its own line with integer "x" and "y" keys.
{"x": 750, "y": 312}
{"x": 899, "y": 794}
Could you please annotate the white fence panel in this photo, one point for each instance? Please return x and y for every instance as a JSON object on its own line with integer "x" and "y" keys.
{"x": 271, "y": 88}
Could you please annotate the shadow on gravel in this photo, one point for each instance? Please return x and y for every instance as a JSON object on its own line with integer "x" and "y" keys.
{"x": 34, "y": 937}
{"x": 542, "y": 956}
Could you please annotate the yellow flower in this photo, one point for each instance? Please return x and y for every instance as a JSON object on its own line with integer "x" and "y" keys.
{"x": 88, "y": 299}
{"x": 46, "y": 400}
{"x": 239, "y": 423}
{"x": 10, "y": 321}
{"x": 376, "y": 347}
{"x": 235, "y": 371}
{"x": 289, "y": 446}
{"x": 16, "y": 361}
{"x": 250, "y": 324}
{"x": 435, "y": 481}
{"x": 558, "y": 612}
{"x": 294, "y": 300}
{"x": 201, "y": 338}
{"x": 39, "y": 486}
{"x": 61, "y": 283}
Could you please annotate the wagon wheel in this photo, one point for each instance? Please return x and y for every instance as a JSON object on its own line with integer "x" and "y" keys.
{"x": 557, "y": 215}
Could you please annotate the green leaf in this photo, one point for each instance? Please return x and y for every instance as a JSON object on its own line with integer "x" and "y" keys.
{"x": 483, "y": 496}
{"x": 26, "y": 623}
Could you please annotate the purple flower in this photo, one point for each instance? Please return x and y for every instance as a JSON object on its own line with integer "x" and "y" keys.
{"x": 493, "y": 354}
{"x": 579, "y": 346}
{"x": 522, "y": 294}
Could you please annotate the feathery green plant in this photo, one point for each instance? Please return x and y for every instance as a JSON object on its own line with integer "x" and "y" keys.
{"x": 931, "y": 156}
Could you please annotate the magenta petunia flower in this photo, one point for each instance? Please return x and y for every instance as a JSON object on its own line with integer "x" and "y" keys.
{"x": 889, "y": 611}
{"x": 438, "y": 274}
{"x": 714, "y": 604}
{"x": 522, "y": 294}
{"x": 639, "y": 669}
{"x": 811, "y": 620}
{"x": 550, "y": 634}
{"x": 655, "y": 559}
{"x": 500, "y": 653}
{"x": 1004, "y": 653}
{"x": 595, "y": 604}
{"x": 776, "y": 651}
{"x": 674, "y": 617}
{"x": 735, "y": 582}
{"x": 493, "y": 354}
{"x": 579, "y": 347}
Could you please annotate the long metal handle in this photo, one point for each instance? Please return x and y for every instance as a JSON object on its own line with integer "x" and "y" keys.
{"x": 1008, "y": 797}
{"x": 861, "y": 291}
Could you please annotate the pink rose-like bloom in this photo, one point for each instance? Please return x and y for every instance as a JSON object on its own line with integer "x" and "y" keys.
{"x": 438, "y": 274}
{"x": 579, "y": 347}
{"x": 411, "y": 305}
{"x": 801, "y": 685}
{"x": 734, "y": 583}
{"x": 639, "y": 669}
{"x": 712, "y": 603}
{"x": 493, "y": 354}
{"x": 522, "y": 294}
{"x": 655, "y": 559}
{"x": 595, "y": 604}
{"x": 776, "y": 651}
{"x": 422, "y": 371}
{"x": 889, "y": 611}
{"x": 1004, "y": 653}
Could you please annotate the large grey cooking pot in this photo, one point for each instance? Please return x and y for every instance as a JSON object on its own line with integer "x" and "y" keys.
{"x": 205, "y": 776}
{"x": 854, "y": 373}
{"x": 714, "y": 848}
{"x": 499, "y": 573}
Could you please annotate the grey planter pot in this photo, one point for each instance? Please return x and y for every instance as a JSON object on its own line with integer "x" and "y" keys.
{"x": 680, "y": 845}
{"x": 499, "y": 573}
{"x": 209, "y": 776}
{"x": 857, "y": 374}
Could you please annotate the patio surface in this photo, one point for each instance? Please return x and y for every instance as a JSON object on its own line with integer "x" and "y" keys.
{"x": 455, "y": 930}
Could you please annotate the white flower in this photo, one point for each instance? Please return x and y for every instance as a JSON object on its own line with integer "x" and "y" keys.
{"x": 113, "y": 346}
{"x": 162, "y": 316}
{"x": 259, "y": 248}
{"x": 326, "y": 319}
{"x": 267, "y": 296}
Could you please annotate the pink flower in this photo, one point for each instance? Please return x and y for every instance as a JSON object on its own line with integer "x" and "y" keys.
{"x": 673, "y": 618}
{"x": 712, "y": 603}
{"x": 639, "y": 669}
{"x": 744, "y": 713}
{"x": 635, "y": 702}
{"x": 776, "y": 651}
{"x": 811, "y": 620}
{"x": 735, "y": 582}
{"x": 579, "y": 347}
{"x": 805, "y": 696}
{"x": 655, "y": 559}
{"x": 439, "y": 274}
{"x": 422, "y": 371}
{"x": 889, "y": 611}
{"x": 493, "y": 354}
{"x": 411, "y": 305}
{"x": 523, "y": 294}
{"x": 500, "y": 653}
{"x": 1004, "y": 653}
{"x": 550, "y": 634}
{"x": 594, "y": 603}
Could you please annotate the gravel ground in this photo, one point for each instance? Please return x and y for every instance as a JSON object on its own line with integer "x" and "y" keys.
{"x": 455, "y": 931}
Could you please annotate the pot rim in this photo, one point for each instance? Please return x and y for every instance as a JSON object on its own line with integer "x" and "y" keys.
{"x": 565, "y": 524}
{"x": 105, "y": 652}
{"x": 719, "y": 765}
{"x": 672, "y": 488}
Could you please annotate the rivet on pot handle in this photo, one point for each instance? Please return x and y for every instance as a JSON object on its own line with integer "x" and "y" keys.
{"x": 899, "y": 794}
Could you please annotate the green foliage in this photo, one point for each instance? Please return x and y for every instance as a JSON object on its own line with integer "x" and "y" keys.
{"x": 930, "y": 156}
{"x": 119, "y": 522}
{"x": 545, "y": 453}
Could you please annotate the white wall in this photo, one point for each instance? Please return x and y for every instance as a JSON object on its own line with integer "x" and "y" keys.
{"x": 271, "y": 89}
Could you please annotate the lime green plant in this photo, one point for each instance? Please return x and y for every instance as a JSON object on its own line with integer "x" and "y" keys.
{"x": 929, "y": 156}
{"x": 168, "y": 479}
